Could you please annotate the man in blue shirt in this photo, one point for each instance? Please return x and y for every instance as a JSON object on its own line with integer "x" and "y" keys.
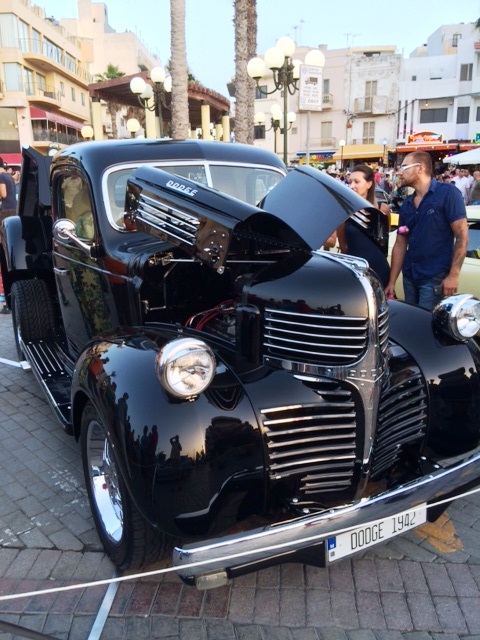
{"x": 432, "y": 236}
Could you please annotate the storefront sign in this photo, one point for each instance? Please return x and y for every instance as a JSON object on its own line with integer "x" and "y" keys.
{"x": 424, "y": 137}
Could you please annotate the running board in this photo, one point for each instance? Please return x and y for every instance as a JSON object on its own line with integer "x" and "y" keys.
{"x": 44, "y": 358}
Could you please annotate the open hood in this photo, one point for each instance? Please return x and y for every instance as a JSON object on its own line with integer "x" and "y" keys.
{"x": 313, "y": 204}
{"x": 300, "y": 212}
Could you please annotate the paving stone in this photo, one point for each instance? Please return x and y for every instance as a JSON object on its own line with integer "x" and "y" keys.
{"x": 423, "y": 612}
{"x": 395, "y": 609}
{"x": 163, "y": 627}
{"x": 370, "y": 612}
{"x": 449, "y": 614}
{"x": 249, "y": 632}
{"x": 341, "y": 576}
{"x": 365, "y": 575}
{"x": 292, "y": 607}
{"x": 389, "y": 577}
{"x": 438, "y": 580}
{"x": 242, "y": 604}
{"x": 266, "y": 607}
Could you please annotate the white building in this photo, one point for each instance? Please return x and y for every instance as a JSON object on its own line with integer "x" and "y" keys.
{"x": 377, "y": 104}
{"x": 439, "y": 109}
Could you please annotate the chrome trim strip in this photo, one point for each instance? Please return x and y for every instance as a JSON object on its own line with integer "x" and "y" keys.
{"x": 255, "y": 545}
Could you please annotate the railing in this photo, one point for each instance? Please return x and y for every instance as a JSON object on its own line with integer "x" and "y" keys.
{"x": 52, "y": 52}
{"x": 370, "y": 104}
{"x": 33, "y": 89}
{"x": 327, "y": 100}
{"x": 50, "y": 135}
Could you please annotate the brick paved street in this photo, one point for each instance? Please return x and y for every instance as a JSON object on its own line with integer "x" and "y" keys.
{"x": 423, "y": 585}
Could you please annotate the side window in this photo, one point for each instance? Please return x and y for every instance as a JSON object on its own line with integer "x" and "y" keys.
{"x": 75, "y": 204}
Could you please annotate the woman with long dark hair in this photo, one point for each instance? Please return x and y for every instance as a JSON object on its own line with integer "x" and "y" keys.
{"x": 365, "y": 234}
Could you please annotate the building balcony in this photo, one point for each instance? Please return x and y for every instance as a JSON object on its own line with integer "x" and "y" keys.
{"x": 373, "y": 105}
{"x": 327, "y": 101}
{"x": 43, "y": 95}
{"x": 52, "y": 59}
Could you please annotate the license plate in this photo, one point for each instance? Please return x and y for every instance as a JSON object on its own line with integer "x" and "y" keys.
{"x": 345, "y": 544}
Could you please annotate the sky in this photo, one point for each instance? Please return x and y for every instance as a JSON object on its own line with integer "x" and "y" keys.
{"x": 336, "y": 23}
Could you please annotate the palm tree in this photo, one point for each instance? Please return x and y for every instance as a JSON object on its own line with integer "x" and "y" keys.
{"x": 111, "y": 73}
{"x": 245, "y": 21}
{"x": 179, "y": 71}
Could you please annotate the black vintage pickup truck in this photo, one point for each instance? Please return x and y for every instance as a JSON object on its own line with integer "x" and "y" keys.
{"x": 241, "y": 397}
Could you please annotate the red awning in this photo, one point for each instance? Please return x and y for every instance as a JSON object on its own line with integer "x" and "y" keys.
{"x": 11, "y": 158}
{"x": 40, "y": 114}
{"x": 410, "y": 148}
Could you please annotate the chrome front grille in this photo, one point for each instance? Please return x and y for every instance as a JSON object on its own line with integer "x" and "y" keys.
{"x": 314, "y": 442}
{"x": 309, "y": 337}
{"x": 402, "y": 419}
{"x": 383, "y": 330}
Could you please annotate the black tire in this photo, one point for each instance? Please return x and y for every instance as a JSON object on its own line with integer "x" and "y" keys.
{"x": 129, "y": 540}
{"x": 33, "y": 316}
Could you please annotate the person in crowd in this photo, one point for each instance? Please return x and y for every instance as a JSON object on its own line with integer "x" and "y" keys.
{"x": 475, "y": 192}
{"x": 470, "y": 180}
{"x": 432, "y": 236}
{"x": 461, "y": 182}
{"x": 7, "y": 193}
{"x": 365, "y": 234}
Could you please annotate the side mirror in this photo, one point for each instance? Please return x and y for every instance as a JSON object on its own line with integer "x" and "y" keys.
{"x": 65, "y": 230}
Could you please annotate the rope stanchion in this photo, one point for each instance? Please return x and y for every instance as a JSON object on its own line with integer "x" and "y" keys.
{"x": 232, "y": 556}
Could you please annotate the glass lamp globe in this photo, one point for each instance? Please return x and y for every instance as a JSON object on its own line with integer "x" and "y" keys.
{"x": 256, "y": 68}
{"x": 137, "y": 85}
{"x": 274, "y": 58}
{"x": 286, "y": 46}
{"x": 157, "y": 74}
{"x": 315, "y": 58}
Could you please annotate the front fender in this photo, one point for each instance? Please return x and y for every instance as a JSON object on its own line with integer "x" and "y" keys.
{"x": 450, "y": 370}
{"x": 205, "y": 480}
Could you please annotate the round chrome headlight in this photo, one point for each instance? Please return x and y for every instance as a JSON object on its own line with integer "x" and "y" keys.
{"x": 185, "y": 367}
{"x": 459, "y": 315}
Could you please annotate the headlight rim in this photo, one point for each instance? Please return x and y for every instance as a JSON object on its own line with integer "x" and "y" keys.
{"x": 176, "y": 349}
{"x": 447, "y": 312}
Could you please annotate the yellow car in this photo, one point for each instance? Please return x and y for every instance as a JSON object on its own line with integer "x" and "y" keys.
{"x": 470, "y": 273}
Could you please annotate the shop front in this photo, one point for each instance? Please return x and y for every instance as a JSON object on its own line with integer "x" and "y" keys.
{"x": 432, "y": 142}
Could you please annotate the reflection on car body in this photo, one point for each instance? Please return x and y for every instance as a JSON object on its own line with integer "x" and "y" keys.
{"x": 232, "y": 387}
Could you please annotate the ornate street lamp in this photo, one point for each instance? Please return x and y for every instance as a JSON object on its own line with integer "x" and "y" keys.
{"x": 341, "y": 144}
{"x": 87, "y": 132}
{"x": 276, "y": 118}
{"x": 384, "y": 143}
{"x": 145, "y": 93}
{"x": 286, "y": 75}
{"x": 133, "y": 125}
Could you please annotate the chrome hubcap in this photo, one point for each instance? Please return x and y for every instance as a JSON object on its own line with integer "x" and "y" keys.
{"x": 104, "y": 482}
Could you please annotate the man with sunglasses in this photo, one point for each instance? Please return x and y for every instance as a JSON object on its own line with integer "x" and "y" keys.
{"x": 432, "y": 236}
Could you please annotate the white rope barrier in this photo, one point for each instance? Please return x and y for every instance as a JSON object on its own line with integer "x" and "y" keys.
{"x": 233, "y": 556}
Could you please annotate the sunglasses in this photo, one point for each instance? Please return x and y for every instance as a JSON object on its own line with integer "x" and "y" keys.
{"x": 404, "y": 167}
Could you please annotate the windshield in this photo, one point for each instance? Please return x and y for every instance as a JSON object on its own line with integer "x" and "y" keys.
{"x": 245, "y": 182}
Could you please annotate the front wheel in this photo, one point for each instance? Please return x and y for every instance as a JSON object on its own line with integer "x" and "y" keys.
{"x": 129, "y": 540}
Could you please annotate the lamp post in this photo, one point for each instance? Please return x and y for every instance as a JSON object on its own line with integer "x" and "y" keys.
{"x": 133, "y": 125}
{"x": 146, "y": 93}
{"x": 384, "y": 143}
{"x": 276, "y": 117}
{"x": 341, "y": 144}
{"x": 286, "y": 75}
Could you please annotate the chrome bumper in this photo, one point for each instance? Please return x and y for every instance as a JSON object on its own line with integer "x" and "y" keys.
{"x": 214, "y": 556}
